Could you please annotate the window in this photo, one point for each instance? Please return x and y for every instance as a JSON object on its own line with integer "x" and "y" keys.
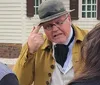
{"x": 32, "y": 7}
{"x": 37, "y": 3}
{"x": 83, "y": 8}
{"x": 89, "y": 8}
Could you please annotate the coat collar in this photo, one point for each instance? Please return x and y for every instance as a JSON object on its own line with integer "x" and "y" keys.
{"x": 79, "y": 33}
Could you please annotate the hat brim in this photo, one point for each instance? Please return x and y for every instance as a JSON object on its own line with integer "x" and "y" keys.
{"x": 54, "y": 16}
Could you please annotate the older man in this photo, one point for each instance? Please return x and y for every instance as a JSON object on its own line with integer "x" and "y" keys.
{"x": 52, "y": 59}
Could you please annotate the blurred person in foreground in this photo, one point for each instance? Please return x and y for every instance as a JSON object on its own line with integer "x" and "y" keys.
{"x": 7, "y": 77}
{"x": 52, "y": 58}
{"x": 90, "y": 56}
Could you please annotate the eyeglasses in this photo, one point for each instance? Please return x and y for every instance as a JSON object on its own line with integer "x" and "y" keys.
{"x": 57, "y": 24}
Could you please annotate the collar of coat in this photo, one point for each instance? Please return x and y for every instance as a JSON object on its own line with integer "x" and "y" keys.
{"x": 79, "y": 36}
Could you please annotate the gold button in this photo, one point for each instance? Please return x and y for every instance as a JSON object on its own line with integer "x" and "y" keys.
{"x": 52, "y": 66}
{"x": 49, "y": 74}
{"x": 47, "y": 82}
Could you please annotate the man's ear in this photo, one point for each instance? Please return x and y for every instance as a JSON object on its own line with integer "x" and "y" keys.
{"x": 69, "y": 18}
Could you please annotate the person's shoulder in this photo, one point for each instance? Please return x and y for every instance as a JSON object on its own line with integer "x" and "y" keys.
{"x": 7, "y": 77}
{"x": 4, "y": 70}
{"x": 90, "y": 81}
{"x": 80, "y": 30}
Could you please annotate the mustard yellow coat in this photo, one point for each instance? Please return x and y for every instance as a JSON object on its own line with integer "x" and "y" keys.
{"x": 38, "y": 68}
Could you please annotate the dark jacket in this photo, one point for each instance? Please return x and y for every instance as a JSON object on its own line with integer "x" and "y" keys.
{"x": 91, "y": 81}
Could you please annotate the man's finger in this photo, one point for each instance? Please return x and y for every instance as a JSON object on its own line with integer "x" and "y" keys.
{"x": 36, "y": 29}
{"x": 33, "y": 29}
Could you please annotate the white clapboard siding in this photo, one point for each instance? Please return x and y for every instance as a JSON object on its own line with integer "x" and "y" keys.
{"x": 86, "y": 23}
{"x": 15, "y": 26}
{"x": 10, "y": 21}
{"x": 66, "y": 3}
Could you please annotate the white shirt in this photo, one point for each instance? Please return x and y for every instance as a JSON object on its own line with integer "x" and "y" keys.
{"x": 63, "y": 75}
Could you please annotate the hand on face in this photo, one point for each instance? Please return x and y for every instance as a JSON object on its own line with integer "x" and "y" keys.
{"x": 35, "y": 40}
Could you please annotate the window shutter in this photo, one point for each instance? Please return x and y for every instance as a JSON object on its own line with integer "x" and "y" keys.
{"x": 74, "y": 5}
{"x": 30, "y": 8}
{"x": 98, "y": 9}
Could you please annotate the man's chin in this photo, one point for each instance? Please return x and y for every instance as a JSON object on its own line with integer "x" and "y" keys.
{"x": 59, "y": 42}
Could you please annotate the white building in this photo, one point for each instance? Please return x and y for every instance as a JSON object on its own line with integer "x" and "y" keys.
{"x": 17, "y": 18}
{"x": 15, "y": 25}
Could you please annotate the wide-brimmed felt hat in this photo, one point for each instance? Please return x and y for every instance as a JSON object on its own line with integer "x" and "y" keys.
{"x": 51, "y": 9}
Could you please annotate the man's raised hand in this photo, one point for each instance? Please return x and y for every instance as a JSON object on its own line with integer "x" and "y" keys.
{"x": 35, "y": 40}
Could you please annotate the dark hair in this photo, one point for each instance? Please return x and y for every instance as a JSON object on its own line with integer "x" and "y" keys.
{"x": 90, "y": 55}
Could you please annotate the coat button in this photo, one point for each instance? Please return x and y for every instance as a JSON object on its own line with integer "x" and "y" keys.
{"x": 47, "y": 82}
{"x": 49, "y": 74}
{"x": 52, "y": 66}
